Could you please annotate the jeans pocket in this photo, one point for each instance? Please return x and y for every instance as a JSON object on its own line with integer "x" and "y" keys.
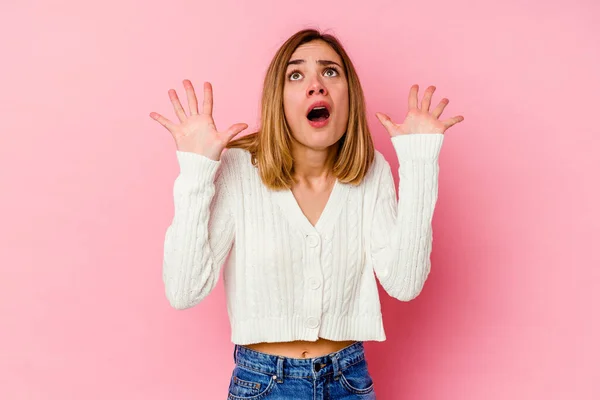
{"x": 356, "y": 378}
{"x": 247, "y": 384}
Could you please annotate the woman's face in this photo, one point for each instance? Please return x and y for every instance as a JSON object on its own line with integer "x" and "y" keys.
{"x": 315, "y": 95}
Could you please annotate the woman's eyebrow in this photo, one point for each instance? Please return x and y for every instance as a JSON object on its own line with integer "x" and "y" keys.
{"x": 321, "y": 62}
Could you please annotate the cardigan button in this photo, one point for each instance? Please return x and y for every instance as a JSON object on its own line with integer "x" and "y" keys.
{"x": 312, "y": 240}
{"x": 314, "y": 283}
{"x": 312, "y": 322}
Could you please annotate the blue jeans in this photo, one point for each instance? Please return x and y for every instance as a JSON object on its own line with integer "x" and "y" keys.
{"x": 340, "y": 375}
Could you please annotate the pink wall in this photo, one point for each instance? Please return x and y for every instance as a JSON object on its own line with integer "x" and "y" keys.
{"x": 86, "y": 179}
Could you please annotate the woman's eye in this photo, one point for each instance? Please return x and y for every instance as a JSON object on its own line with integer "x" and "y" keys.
{"x": 294, "y": 73}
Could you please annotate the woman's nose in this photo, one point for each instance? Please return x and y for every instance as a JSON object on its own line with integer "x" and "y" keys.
{"x": 316, "y": 87}
{"x": 320, "y": 90}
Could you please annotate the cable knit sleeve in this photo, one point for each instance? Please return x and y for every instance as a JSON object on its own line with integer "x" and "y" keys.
{"x": 401, "y": 237}
{"x": 202, "y": 230}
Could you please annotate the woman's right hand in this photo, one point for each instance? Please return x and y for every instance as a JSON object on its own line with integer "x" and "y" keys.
{"x": 197, "y": 132}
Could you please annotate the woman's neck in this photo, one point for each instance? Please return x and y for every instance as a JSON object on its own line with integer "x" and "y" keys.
{"x": 313, "y": 166}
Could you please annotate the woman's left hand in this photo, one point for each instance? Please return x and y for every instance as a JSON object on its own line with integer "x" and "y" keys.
{"x": 420, "y": 120}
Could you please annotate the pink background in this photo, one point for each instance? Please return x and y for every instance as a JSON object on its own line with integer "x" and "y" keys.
{"x": 511, "y": 307}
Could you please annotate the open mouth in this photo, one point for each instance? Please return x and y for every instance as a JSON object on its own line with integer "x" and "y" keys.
{"x": 318, "y": 114}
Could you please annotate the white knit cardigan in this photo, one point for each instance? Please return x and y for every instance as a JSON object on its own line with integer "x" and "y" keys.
{"x": 284, "y": 278}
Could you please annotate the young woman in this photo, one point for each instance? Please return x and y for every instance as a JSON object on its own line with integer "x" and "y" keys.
{"x": 304, "y": 216}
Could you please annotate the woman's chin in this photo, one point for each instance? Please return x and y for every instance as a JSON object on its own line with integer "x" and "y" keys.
{"x": 320, "y": 140}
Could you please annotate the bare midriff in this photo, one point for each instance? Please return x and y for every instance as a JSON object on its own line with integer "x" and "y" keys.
{"x": 301, "y": 349}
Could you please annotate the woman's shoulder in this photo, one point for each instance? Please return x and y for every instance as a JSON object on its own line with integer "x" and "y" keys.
{"x": 236, "y": 159}
{"x": 379, "y": 164}
{"x": 235, "y": 167}
{"x": 380, "y": 159}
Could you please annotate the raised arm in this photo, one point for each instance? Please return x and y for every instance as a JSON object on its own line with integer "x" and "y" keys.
{"x": 201, "y": 233}
{"x": 401, "y": 233}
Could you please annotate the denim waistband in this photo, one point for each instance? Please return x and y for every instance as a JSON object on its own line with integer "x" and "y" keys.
{"x": 281, "y": 367}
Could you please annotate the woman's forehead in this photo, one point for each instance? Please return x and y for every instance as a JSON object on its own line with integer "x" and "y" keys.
{"x": 315, "y": 50}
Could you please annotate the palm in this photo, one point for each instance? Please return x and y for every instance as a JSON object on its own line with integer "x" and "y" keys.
{"x": 420, "y": 119}
{"x": 197, "y": 131}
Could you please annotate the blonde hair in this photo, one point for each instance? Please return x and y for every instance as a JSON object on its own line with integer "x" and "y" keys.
{"x": 270, "y": 145}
